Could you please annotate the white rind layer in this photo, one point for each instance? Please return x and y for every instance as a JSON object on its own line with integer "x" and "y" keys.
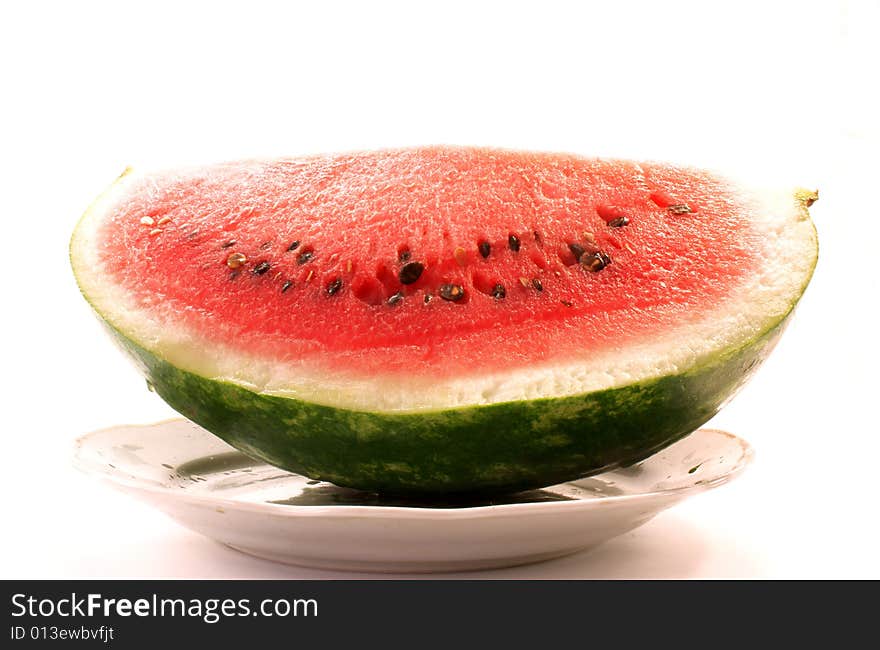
{"x": 755, "y": 306}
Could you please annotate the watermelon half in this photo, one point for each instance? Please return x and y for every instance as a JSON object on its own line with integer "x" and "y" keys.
{"x": 443, "y": 319}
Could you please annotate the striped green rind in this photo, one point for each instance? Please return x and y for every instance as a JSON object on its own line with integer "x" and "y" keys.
{"x": 487, "y": 448}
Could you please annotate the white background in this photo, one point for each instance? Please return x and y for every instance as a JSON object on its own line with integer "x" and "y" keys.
{"x": 786, "y": 91}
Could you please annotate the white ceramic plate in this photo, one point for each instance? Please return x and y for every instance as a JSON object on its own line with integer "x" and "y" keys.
{"x": 209, "y": 487}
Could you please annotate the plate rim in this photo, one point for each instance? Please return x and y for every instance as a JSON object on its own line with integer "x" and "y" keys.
{"x": 123, "y": 480}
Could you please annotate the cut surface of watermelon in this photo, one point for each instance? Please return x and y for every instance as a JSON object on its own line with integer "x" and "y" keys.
{"x": 707, "y": 277}
{"x": 429, "y": 282}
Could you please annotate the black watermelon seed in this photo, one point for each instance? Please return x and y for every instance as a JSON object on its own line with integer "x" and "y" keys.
{"x": 287, "y": 284}
{"x": 619, "y": 222}
{"x": 404, "y": 256}
{"x": 261, "y": 268}
{"x": 513, "y": 243}
{"x": 567, "y": 303}
{"x": 679, "y": 208}
{"x": 451, "y": 292}
{"x": 304, "y": 257}
{"x": 428, "y": 297}
{"x": 396, "y": 298}
{"x": 595, "y": 261}
{"x": 293, "y": 245}
{"x": 228, "y": 244}
{"x": 577, "y": 250}
{"x": 334, "y": 286}
{"x": 485, "y": 248}
{"x": 499, "y": 292}
{"x": 411, "y": 272}
{"x": 537, "y": 284}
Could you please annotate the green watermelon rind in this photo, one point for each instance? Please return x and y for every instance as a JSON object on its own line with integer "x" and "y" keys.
{"x": 494, "y": 447}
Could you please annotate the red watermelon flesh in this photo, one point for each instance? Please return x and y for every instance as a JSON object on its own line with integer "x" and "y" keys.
{"x": 215, "y": 250}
